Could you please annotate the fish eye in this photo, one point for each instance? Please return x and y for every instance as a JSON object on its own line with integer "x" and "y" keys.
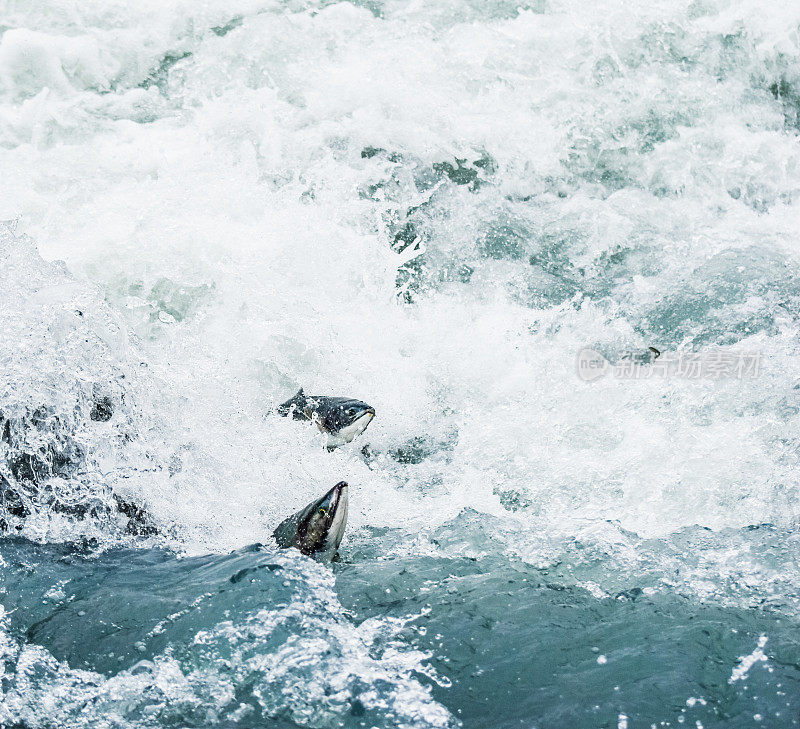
{"x": 351, "y": 411}
{"x": 322, "y": 510}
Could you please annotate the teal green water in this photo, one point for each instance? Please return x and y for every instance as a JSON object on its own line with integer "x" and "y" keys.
{"x": 513, "y": 642}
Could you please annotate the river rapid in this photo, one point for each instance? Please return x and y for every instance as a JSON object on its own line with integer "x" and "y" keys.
{"x": 434, "y": 207}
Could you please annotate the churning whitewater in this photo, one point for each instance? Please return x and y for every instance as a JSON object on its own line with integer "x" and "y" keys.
{"x": 478, "y": 216}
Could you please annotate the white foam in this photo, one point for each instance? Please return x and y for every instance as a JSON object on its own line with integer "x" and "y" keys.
{"x": 741, "y": 671}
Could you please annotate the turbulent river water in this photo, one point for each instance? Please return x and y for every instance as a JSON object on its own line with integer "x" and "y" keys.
{"x": 433, "y": 206}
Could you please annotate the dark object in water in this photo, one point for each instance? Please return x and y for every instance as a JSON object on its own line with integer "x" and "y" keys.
{"x": 648, "y": 356}
{"x": 140, "y": 523}
{"x": 317, "y": 529}
{"x": 37, "y": 448}
{"x": 340, "y": 418}
{"x": 43, "y": 467}
{"x": 103, "y": 410}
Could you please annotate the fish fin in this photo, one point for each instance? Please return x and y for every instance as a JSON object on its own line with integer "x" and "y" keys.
{"x": 297, "y": 402}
